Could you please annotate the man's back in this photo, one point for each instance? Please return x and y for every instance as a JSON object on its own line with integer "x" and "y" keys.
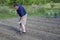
{"x": 21, "y": 11}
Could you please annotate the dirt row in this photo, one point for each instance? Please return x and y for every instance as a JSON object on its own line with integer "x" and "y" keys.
{"x": 37, "y": 29}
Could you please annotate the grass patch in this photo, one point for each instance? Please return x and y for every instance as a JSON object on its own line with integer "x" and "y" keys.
{"x": 6, "y": 12}
{"x": 38, "y": 11}
{"x": 4, "y": 16}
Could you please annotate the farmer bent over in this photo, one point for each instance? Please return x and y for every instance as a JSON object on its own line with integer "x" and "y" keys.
{"x": 23, "y": 16}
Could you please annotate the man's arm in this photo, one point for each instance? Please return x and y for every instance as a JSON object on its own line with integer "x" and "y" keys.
{"x": 22, "y": 18}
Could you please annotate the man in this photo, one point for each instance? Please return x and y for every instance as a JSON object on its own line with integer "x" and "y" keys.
{"x": 23, "y": 16}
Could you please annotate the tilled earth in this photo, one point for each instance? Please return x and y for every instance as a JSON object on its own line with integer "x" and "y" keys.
{"x": 37, "y": 29}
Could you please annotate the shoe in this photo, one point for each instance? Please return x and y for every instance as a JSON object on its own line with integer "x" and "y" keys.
{"x": 24, "y": 32}
{"x": 19, "y": 31}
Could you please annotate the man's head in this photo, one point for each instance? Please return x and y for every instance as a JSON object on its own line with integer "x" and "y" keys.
{"x": 16, "y": 6}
